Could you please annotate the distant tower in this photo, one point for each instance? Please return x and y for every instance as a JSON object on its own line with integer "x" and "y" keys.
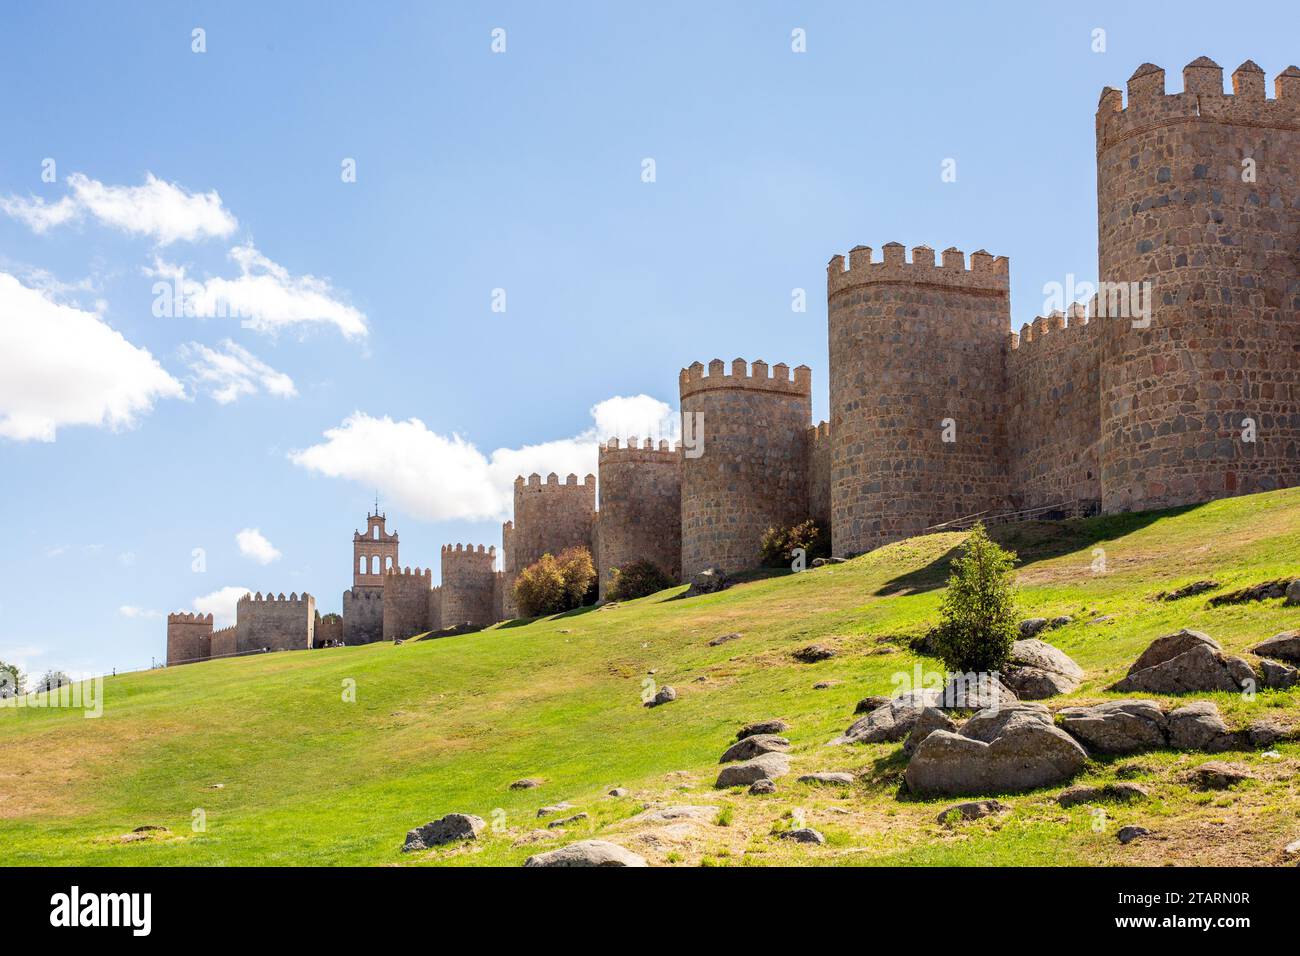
{"x": 549, "y": 517}
{"x": 640, "y": 516}
{"x": 917, "y": 391}
{"x": 751, "y": 473}
{"x": 1198, "y": 194}
{"x": 373, "y": 554}
{"x": 468, "y": 585}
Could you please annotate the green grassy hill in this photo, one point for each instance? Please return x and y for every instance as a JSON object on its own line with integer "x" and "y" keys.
{"x": 287, "y": 772}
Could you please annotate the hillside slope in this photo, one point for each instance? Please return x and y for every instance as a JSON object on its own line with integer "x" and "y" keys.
{"x": 285, "y": 771}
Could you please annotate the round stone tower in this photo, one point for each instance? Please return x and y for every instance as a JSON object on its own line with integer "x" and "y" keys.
{"x": 917, "y": 373}
{"x": 550, "y": 517}
{"x": 1198, "y": 208}
{"x": 468, "y": 580}
{"x": 640, "y": 516}
{"x": 745, "y": 460}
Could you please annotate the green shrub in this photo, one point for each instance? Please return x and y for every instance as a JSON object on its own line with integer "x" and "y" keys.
{"x": 637, "y": 579}
{"x": 978, "y": 614}
{"x": 778, "y": 545}
{"x": 552, "y": 585}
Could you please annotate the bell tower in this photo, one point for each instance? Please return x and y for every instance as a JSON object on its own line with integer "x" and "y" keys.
{"x": 374, "y": 552}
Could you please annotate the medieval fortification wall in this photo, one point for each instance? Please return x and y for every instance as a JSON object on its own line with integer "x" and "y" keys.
{"x": 1179, "y": 384}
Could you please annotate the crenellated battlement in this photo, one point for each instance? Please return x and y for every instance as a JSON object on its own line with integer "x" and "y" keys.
{"x": 185, "y": 617}
{"x": 407, "y": 573}
{"x": 1202, "y": 98}
{"x": 647, "y": 452}
{"x": 692, "y": 379}
{"x": 986, "y": 273}
{"x": 821, "y": 432}
{"x": 552, "y": 485}
{"x": 468, "y": 552}
{"x": 293, "y": 599}
{"x": 1060, "y": 328}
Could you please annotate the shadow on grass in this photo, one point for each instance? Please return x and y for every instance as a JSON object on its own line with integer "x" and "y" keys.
{"x": 1033, "y": 541}
{"x": 740, "y": 577}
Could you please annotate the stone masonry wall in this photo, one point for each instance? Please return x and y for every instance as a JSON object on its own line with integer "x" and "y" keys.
{"x": 189, "y": 638}
{"x": 640, "y": 516}
{"x": 275, "y": 623}
{"x": 819, "y": 475}
{"x": 913, "y": 344}
{"x": 1199, "y": 194}
{"x": 328, "y": 629}
{"x": 363, "y": 615}
{"x": 549, "y": 517}
{"x": 407, "y": 597}
{"x": 752, "y": 473}
{"x": 1053, "y": 420}
{"x": 225, "y": 642}
{"x": 468, "y": 583}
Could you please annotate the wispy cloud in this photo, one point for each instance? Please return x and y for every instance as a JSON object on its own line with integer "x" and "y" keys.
{"x": 166, "y": 212}
{"x": 231, "y": 371}
{"x": 130, "y": 610}
{"x": 265, "y": 296}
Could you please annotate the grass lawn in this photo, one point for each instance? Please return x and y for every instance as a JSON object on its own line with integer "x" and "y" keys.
{"x": 284, "y": 770}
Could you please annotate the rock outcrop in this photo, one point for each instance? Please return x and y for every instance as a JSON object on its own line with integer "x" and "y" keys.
{"x": 1015, "y": 748}
{"x": 1037, "y": 670}
{"x": 1187, "y": 662}
{"x": 587, "y": 853}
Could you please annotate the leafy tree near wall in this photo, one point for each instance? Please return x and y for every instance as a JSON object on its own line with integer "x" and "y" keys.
{"x": 978, "y": 613}
{"x": 778, "y": 545}
{"x": 552, "y": 585}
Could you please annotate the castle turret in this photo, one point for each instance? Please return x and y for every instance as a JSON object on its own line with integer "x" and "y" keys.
{"x": 468, "y": 585}
{"x": 640, "y": 517}
{"x": 549, "y": 517}
{"x": 1198, "y": 208}
{"x": 917, "y": 377}
{"x": 745, "y": 465}
{"x": 412, "y": 605}
{"x": 189, "y": 638}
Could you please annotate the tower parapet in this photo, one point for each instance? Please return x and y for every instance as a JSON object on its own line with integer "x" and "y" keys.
{"x": 640, "y": 516}
{"x": 189, "y": 638}
{"x": 917, "y": 367}
{"x": 410, "y": 603}
{"x": 275, "y": 622}
{"x": 468, "y": 584}
{"x": 751, "y": 472}
{"x": 1198, "y": 201}
{"x": 549, "y": 517}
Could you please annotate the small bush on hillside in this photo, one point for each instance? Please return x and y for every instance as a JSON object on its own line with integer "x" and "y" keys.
{"x": 637, "y": 579}
{"x": 779, "y": 544}
{"x": 978, "y": 611}
{"x": 551, "y": 585}
{"x": 12, "y": 680}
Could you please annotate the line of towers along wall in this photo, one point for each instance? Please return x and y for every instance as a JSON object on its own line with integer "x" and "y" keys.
{"x": 1139, "y": 400}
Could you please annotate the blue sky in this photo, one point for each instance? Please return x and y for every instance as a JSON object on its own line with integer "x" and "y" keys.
{"x": 367, "y": 354}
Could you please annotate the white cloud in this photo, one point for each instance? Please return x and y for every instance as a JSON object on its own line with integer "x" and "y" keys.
{"x": 439, "y": 478}
{"x": 61, "y": 366}
{"x": 265, "y": 295}
{"x": 253, "y": 544}
{"x": 232, "y": 371}
{"x": 130, "y": 610}
{"x": 221, "y": 605}
{"x": 161, "y": 210}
